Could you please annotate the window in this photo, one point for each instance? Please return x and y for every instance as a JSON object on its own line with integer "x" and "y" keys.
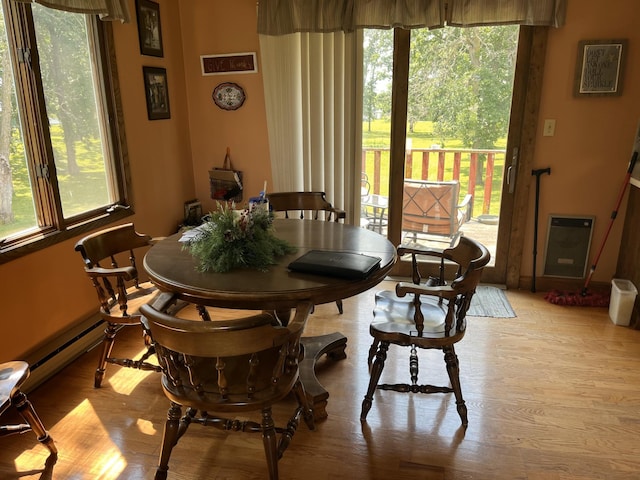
{"x": 62, "y": 168}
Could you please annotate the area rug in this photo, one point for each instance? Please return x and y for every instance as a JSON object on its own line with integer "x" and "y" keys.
{"x": 490, "y": 302}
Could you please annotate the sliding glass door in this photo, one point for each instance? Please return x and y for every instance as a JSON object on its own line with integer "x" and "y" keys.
{"x": 437, "y": 110}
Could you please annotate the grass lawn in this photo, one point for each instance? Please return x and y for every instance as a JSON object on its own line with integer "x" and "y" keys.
{"x": 88, "y": 189}
{"x": 79, "y": 193}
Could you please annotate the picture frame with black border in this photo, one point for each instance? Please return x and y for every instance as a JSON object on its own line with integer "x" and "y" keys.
{"x": 600, "y": 68}
{"x": 156, "y": 91}
{"x": 149, "y": 28}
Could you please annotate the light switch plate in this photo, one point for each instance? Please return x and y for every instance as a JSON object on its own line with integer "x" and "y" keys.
{"x": 549, "y": 128}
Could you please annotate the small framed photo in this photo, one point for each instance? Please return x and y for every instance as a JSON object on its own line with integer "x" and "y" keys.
{"x": 156, "y": 92}
{"x": 149, "y": 28}
{"x": 192, "y": 212}
{"x": 599, "y": 67}
{"x": 229, "y": 63}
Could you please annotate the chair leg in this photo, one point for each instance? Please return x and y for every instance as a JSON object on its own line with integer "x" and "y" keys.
{"x": 376, "y": 372}
{"x": 372, "y": 351}
{"x": 185, "y": 421}
{"x": 339, "y": 305}
{"x": 269, "y": 440}
{"x": 107, "y": 346}
{"x": 453, "y": 369}
{"x": 169, "y": 440}
{"x": 20, "y": 401}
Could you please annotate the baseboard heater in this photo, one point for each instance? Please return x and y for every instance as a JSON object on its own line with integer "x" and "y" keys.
{"x": 52, "y": 357}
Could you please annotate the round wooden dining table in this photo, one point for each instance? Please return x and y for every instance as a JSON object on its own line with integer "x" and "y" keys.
{"x": 174, "y": 270}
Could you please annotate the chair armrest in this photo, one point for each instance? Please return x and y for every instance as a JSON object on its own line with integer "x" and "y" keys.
{"x": 155, "y": 240}
{"x": 128, "y": 273}
{"x": 466, "y": 205}
{"x": 444, "y": 291}
{"x": 420, "y": 250}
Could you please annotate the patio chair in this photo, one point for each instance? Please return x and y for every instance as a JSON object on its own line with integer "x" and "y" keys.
{"x": 432, "y": 208}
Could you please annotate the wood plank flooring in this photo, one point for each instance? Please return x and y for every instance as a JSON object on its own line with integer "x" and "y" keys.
{"x": 553, "y": 394}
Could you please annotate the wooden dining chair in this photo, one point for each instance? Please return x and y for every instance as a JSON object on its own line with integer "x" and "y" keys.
{"x": 427, "y": 313}
{"x": 120, "y": 293}
{"x": 12, "y": 377}
{"x": 309, "y": 205}
{"x": 230, "y": 367}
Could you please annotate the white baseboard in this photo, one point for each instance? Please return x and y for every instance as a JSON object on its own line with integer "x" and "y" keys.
{"x": 52, "y": 357}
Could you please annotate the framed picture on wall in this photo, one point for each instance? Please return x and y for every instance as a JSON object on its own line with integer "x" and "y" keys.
{"x": 156, "y": 92}
{"x": 149, "y": 28}
{"x": 599, "y": 67}
{"x": 223, "y": 64}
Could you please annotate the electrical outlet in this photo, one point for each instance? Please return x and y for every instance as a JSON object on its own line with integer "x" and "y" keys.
{"x": 549, "y": 128}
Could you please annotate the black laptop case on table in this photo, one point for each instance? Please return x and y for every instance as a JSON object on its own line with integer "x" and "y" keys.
{"x": 335, "y": 264}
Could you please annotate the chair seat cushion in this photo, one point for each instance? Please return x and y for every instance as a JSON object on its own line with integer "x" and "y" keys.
{"x": 393, "y": 319}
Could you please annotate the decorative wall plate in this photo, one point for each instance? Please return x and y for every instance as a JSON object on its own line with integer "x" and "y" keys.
{"x": 228, "y": 96}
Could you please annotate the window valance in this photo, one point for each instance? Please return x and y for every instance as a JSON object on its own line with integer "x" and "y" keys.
{"x": 281, "y": 17}
{"x": 106, "y": 9}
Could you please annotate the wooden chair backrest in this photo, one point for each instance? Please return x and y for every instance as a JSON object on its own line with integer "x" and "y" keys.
{"x": 469, "y": 258}
{"x": 234, "y": 361}
{"x": 103, "y": 252}
{"x": 431, "y": 207}
{"x": 106, "y": 244}
{"x": 305, "y": 205}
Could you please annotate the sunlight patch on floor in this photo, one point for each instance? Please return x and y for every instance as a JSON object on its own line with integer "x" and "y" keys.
{"x": 120, "y": 378}
{"x": 111, "y": 461}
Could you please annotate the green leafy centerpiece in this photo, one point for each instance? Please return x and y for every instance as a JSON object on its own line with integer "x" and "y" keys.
{"x": 232, "y": 239}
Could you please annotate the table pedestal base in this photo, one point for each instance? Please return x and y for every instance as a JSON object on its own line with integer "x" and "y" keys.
{"x": 333, "y": 345}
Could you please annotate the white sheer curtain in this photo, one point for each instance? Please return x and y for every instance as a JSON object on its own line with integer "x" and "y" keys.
{"x": 310, "y": 82}
{"x": 107, "y": 9}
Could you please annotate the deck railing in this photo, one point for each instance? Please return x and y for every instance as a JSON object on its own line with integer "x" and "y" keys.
{"x": 478, "y": 171}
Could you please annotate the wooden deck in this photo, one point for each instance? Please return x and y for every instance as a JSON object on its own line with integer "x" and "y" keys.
{"x": 485, "y": 233}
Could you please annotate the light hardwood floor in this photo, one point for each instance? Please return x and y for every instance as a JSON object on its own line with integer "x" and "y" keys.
{"x": 553, "y": 394}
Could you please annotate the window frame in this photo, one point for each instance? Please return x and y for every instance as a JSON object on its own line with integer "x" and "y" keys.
{"x": 52, "y": 226}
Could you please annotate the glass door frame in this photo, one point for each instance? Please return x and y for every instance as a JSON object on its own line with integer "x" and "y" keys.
{"x": 520, "y": 144}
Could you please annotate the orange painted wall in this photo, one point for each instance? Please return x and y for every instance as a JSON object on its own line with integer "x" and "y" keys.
{"x": 47, "y": 290}
{"x": 216, "y": 27}
{"x": 591, "y": 148}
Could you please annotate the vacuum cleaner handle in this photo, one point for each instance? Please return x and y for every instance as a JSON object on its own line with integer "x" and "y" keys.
{"x": 614, "y": 214}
